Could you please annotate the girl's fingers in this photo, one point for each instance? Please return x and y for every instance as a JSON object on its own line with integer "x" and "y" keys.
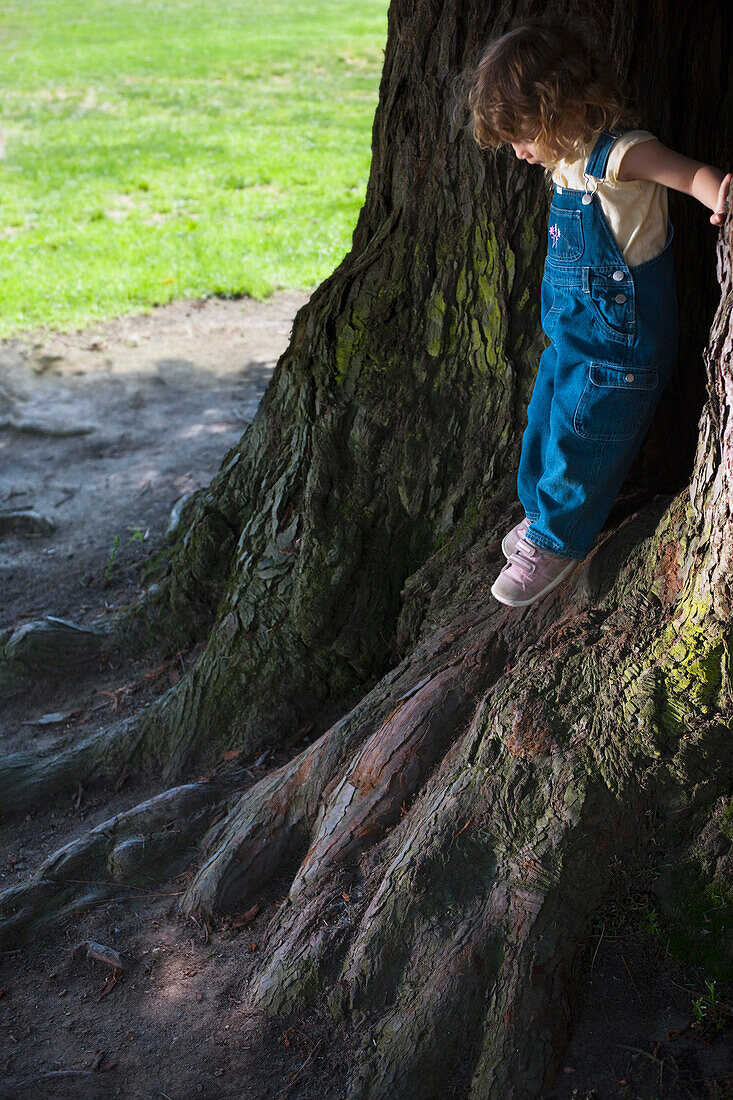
{"x": 718, "y": 216}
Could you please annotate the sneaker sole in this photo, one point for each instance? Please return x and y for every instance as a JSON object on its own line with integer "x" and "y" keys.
{"x": 539, "y": 595}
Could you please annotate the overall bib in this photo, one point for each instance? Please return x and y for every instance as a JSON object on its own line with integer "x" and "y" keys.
{"x": 613, "y": 344}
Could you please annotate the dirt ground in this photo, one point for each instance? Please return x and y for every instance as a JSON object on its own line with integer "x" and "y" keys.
{"x": 101, "y": 432}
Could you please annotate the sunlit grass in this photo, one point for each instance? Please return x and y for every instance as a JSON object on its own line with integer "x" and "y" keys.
{"x": 178, "y": 148}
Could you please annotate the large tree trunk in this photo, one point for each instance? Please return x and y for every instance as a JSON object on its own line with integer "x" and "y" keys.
{"x": 473, "y": 770}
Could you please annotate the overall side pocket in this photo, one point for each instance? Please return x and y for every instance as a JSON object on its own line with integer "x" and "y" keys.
{"x": 614, "y": 402}
{"x": 612, "y": 304}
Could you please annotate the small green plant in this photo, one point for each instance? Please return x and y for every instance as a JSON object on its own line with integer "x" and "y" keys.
{"x": 137, "y": 536}
{"x": 708, "y": 1011}
{"x": 111, "y": 559}
{"x": 649, "y": 922}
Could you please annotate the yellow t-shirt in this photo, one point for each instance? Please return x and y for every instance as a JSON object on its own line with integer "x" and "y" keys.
{"x": 636, "y": 210}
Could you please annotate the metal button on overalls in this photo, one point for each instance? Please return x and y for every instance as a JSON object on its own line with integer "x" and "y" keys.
{"x": 613, "y": 334}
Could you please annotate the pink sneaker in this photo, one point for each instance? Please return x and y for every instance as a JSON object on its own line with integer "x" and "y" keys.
{"x": 510, "y": 540}
{"x": 529, "y": 573}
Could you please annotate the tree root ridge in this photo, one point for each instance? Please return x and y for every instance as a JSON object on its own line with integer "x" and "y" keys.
{"x": 145, "y": 843}
{"x": 247, "y": 848}
{"x": 14, "y": 1088}
{"x": 502, "y": 858}
{"x": 48, "y": 648}
{"x": 385, "y": 774}
{"x": 356, "y": 806}
{"x": 27, "y": 779}
{"x": 471, "y": 940}
{"x": 461, "y": 939}
{"x": 355, "y": 812}
{"x": 431, "y": 1026}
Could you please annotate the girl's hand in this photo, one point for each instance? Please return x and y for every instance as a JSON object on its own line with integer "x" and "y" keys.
{"x": 718, "y": 217}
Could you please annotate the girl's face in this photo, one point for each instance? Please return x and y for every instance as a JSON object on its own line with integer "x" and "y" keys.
{"x": 527, "y": 150}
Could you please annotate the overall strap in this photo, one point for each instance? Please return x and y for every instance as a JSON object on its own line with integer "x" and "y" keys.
{"x": 597, "y": 161}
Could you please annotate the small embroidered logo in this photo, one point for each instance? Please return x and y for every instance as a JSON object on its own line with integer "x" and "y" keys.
{"x": 555, "y": 234}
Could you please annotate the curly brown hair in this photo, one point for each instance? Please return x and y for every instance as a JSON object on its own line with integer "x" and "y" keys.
{"x": 545, "y": 82}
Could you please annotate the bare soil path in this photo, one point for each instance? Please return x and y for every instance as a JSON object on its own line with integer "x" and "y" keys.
{"x": 102, "y": 431}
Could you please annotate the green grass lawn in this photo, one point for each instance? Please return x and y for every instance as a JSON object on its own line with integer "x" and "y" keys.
{"x": 160, "y": 149}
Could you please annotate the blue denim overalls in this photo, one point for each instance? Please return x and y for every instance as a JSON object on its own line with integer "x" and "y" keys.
{"x": 613, "y": 344}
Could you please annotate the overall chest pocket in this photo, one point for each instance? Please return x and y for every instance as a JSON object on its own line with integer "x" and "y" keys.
{"x": 614, "y": 402}
{"x": 564, "y": 235}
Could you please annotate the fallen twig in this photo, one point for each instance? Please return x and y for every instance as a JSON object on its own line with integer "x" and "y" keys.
{"x": 603, "y": 929}
{"x": 101, "y": 953}
{"x": 121, "y": 886}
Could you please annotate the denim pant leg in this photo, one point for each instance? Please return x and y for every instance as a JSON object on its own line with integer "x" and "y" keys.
{"x": 567, "y": 491}
{"x": 582, "y": 478}
{"x": 614, "y": 463}
{"x": 536, "y": 434}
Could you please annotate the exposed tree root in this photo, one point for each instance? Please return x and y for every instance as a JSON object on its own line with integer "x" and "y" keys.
{"x": 26, "y": 521}
{"x": 450, "y": 871}
{"x": 383, "y": 776}
{"x": 464, "y": 937}
{"x": 10, "y": 417}
{"x": 247, "y": 848}
{"x": 48, "y": 647}
{"x": 351, "y": 805}
{"x": 147, "y": 843}
{"x": 27, "y": 779}
{"x": 248, "y": 845}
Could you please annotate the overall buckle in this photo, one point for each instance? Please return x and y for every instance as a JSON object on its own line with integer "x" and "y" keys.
{"x": 588, "y": 196}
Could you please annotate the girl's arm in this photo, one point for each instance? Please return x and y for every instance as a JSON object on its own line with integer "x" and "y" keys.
{"x": 650, "y": 160}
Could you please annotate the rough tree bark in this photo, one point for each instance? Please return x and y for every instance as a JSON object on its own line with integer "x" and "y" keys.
{"x": 474, "y": 771}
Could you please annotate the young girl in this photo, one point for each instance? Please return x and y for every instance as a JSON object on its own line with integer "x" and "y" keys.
{"x": 608, "y": 302}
